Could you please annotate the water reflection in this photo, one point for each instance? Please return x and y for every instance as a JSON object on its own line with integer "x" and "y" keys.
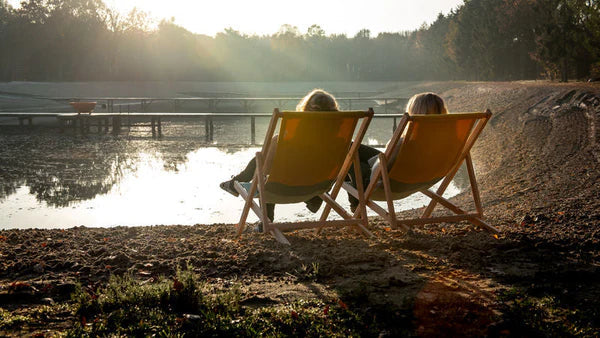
{"x": 53, "y": 180}
{"x": 62, "y": 169}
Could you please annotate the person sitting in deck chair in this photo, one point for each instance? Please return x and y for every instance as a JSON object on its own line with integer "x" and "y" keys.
{"x": 419, "y": 104}
{"x": 316, "y": 100}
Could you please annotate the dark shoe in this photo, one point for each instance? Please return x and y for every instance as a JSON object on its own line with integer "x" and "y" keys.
{"x": 228, "y": 186}
{"x": 353, "y": 202}
{"x": 314, "y": 204}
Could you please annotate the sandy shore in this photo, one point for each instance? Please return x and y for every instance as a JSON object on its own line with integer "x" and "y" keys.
{"x": 538, "y": 165}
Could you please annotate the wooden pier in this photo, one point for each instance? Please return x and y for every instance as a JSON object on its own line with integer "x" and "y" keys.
{"x": 27, "y": 116}
{"x": 154, "y": 120}
{"x": 118, "y": 113}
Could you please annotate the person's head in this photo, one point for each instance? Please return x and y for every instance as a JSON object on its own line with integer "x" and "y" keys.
{"x": 426, "y": 103}
{"x": 318, "y": 100}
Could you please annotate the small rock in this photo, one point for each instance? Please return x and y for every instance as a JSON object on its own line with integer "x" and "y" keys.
{"x": 540, "y": 218}
{"x": 65, "y": 289}
{"x": 527, "y": 219}
{"x": 192, "y": 317}
{"x": 39, "y": 268}
{"x": 119, "y": 260}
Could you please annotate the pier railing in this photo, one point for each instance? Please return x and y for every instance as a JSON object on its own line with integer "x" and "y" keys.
{"x": 118, "y": 112}
{"x": 214, "y": 105}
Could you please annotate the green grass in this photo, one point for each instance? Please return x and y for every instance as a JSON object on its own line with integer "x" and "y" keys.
{"x": 544, "y": 316}
{"x": 181, "y": 306}
{"x": 9, "y": 320}
{"x": 33, "y": 315}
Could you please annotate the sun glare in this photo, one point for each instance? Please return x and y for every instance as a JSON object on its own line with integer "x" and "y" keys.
{"x": 265, "y": 17}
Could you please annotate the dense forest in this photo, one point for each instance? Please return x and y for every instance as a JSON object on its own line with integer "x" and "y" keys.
{"x": 74, "y": 40}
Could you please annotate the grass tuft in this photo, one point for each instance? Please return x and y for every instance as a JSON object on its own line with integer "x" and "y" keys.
{"x": 544, "y": 316}
{"x": 179, "y": 306}
{"x": 9, "y": 320}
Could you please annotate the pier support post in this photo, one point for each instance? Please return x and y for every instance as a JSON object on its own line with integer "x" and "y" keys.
{"x": 212, "y": 129}
{"x": 153, "y": 125}
{"x": 252, "y": 130}
{"x": 159, "y": 127}
{"x": 116, "y": 124}
{"x": 206, "y": 129}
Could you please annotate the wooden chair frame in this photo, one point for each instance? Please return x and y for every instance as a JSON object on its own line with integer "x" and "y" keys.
{"x": 436, "y": 197}
{"x": 258, "y": 185}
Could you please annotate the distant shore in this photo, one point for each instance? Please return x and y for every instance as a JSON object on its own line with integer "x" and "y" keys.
{"x": 538, "y": 167}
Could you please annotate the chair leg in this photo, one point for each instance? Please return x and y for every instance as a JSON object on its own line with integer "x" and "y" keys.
{"x": 474, "y": 186}
{"x": 242, "y": 223}
{"x": 443, "y": 186}
{"x": 388, "y": 191}
{"x": 444, "y": 202}
{"x": 279, "y": 236}
{"x": 244, "y": 194}
{"x": 264, "y": 218}
{"x": 361, "y": 192}
{"x": 479, "y": 222}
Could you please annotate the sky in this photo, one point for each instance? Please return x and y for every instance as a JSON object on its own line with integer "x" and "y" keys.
{"x": 265, "y": 17}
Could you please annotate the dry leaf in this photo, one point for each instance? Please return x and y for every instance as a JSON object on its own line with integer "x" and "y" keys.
{"x": 177, "y": 285}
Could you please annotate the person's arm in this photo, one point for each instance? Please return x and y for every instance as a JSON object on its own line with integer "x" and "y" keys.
{"x": 393, "y": 156}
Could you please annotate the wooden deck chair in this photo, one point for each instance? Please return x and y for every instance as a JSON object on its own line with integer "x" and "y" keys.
{"x": 428, "y": 148}
{"x": 314, "y": 151}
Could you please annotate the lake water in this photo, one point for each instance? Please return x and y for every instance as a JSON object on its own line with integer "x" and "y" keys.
{"x": 53, "y": 180}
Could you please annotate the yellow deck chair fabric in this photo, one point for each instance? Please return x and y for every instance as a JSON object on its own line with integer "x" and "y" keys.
{"x": 428, "y": 153}
{"x": 311, "y": 149}
{"x": 424, "y": 150}
{"x": 314, "y": 152}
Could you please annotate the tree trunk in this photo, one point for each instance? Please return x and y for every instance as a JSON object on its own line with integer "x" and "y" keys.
{"x": 564, "y": 73}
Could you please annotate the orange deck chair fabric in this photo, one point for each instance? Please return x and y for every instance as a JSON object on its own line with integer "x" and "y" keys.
{"x": 424, "y": 150}
{"x": 314, "y": 150}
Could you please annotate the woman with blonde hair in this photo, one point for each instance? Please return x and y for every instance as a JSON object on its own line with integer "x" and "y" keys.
{"x": 426, "y": 103}
{"x": 315, "y": 100}
{"x": 419, "y": 104}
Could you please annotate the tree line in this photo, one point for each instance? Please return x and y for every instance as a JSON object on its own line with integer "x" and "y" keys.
{"x": 85, "y": 40}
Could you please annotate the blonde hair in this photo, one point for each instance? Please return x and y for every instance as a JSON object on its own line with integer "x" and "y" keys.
{"x": 318, "y": 100}
{"x": 426, "y": 103}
